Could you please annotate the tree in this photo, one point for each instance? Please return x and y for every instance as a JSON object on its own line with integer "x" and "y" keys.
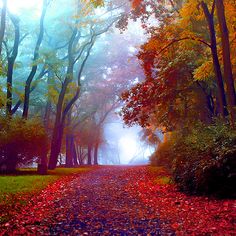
{"x": 180, "y": 25}
{"x": 63, "y": 106}
{"x": 35, "y": 58}
{"x": 221, "y": 93}
{"x": 11, "y": 57}
{"x": 228, "y": 74}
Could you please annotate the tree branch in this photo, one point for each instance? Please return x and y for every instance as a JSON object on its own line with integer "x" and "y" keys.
{"x": 173, "y": 5}
{"x": 19, "y": 102}
{"x": 182, "y": 39}
{"x": 213, "y": 8}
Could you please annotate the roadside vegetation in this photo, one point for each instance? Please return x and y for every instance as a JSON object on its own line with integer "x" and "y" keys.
{"x": 17, "y": 190}
{"x": 189, "y": 92}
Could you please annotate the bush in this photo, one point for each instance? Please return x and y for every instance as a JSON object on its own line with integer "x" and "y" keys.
{"x": 163, "y": 156}
{"x": 20, "y": 142}
{"x": 203, "y": 160}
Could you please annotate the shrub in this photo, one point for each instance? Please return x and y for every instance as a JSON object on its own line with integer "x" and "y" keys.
{"x": 163, "y": 155}
{"x": 203, "y": 160}
{"x": 20, "y": 141}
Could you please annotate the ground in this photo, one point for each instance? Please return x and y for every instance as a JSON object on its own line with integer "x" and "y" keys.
{"x": 120, "y": 201}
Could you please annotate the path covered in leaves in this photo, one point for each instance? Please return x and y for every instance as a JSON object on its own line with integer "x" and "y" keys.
{"x": 120, "y": 201}
{"x": 94, "y": 203}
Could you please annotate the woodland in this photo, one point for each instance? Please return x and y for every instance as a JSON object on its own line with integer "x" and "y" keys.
{"x": 58, "y": 86}
{"x": 69, "y": 67}
{"x": 56, "y": 91}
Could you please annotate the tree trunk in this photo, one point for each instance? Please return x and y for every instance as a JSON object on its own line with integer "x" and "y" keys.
{"x": 11, "y": 57}
{"x": 34, "y": 67}
{"x": 221, "y": 92}
{"x": 89, "y": 154}
{"x": 69, "y": 150}
{"x": 80, "y": 155}
{"x": 55, "y": 145}
{"x": 74, "y": 153}
{"x": 210, "y": 104}
{"x": 228, "y": 74}
{"x": 42, "y": 165}
{"x": 12, "y": 158}
{"x": 96, "y": 154}
{"x": 49, "y": 104}
{"x": 47, "y": 115}
{"x": 9, "y": 86}
{"x": 57, "y": 130}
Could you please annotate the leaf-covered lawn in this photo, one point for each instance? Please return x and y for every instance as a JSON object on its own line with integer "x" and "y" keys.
{"x": 187, "y": 215}
{"x": 16, "y": 190}
{"x": 120, "y": 201}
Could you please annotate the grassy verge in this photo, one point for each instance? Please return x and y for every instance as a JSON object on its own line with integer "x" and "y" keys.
{"x": 162, "y": 176}
{"x": 16, "y": 190}
{"x": 27, "y": 181}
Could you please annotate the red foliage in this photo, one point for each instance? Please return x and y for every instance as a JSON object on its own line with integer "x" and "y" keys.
{"x": 36, "y": 216}
{"x": 188, "y": 215}
{"x": 136, "y": 3}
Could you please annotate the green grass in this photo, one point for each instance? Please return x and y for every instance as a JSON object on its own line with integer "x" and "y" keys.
{"x": 24, "y": 184}
{"x": 28, "y": 182}
{"x": 163, "y": 178}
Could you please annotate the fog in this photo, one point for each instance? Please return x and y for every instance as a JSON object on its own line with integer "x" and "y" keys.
{"x": 104, "y": 65}
{"x": 125, "y": 144}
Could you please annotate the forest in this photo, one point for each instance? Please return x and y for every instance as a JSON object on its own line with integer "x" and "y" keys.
{"x": 55, "y": 98}
{"x": 68, "y": 68}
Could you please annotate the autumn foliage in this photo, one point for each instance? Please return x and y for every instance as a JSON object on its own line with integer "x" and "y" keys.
{"x": 189, "y": 91}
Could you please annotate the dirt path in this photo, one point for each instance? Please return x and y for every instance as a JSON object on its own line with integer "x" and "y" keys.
{"x": 101, "y": 206}
{"x": 94, "y": 203}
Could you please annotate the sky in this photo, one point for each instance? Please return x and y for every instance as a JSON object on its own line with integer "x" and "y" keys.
{"x": 17, "y": 6}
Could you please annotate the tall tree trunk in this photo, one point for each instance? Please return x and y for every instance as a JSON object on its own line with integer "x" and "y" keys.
{"x": 89, "y": 154}
{"x": 3, "y": 23}
{"x": 10, "y": 66}
{"x": 208, "y": 97}
{"x": 34, "y": 67}
{"x": 228, "y": 74}
{"x": 80, "y": 155}
{"x": 69, "y": 150}
{"x": 49, "y": 104}
{"x": 12, "y": 158}
{"x": 69, "y": 140}
{"x": 96, "y": 153}
{"x": 57, "y": 130}
{"x": 74, "y": 153}
{"x": 11, "y": 57}
{"x": 47, "y": 115}
{"x": 55, "y": 145}
{"x": 42, "y": 165}
{"x": 220, "y": 90}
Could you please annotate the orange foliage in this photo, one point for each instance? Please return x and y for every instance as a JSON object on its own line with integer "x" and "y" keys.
{"x": 136, "y": 3}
